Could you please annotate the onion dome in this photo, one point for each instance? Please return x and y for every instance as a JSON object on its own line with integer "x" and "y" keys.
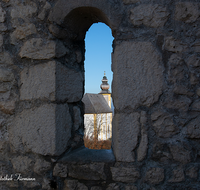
{"x": 104, "y": 85}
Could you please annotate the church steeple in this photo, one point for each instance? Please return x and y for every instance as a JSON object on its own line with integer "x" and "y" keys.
{"x": 104, "y": 85}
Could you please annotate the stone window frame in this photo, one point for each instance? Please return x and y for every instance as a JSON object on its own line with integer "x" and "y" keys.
{"x": 72, "y": 18}
{"x": 136, "y": 83}
{"x": 78, "y": 17}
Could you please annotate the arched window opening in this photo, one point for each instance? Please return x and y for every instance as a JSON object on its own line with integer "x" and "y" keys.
{"x": 98, "y": 78}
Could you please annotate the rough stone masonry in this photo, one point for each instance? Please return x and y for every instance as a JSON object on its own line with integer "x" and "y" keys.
{"x": 155, "y": 89}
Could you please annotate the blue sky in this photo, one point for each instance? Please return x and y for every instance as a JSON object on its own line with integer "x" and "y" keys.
{"x": 98, "y": 42}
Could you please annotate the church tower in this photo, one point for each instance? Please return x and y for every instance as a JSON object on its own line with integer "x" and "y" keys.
{"x": 104, "y": 89}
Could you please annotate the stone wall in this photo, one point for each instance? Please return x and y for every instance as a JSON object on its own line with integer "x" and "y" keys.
{"x": 155, "y": 89}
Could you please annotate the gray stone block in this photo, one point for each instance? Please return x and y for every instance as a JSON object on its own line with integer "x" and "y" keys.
{"x": 74, "y": 184}
{"x": 38, "y": 48}
{"x": 6, "y": 75}
{"x": 149, "y": 15}
{"x": 93, "y": 171}
{"x": 53, "y": 81}
{"x": 41, "y": 166}
{"x": 125, "y": 136}
{"x": 22, "y": 32}
{"x": 60, "y": 170}
{"x": 125, "y": 174}
{"x": 44, "y": 130}
{"x": 187, "y": 11}
{"x": 2, "y": 14}
{"x": 38, "y": 82}
{"x": 138, "y": 75}
{"x": 155, "y": 175}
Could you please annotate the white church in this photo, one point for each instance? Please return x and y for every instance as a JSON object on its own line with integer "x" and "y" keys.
{"x": 98, "y": 113}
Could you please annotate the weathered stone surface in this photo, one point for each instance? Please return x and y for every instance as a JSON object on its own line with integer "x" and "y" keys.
{"x": 41, "y": 166}
{"x": 53, "y": 81}
{"x": 22, "y": 32}
{"x": 194, "y": 79}
{"x": 22, "y": 164}
{"x": 2, "y": 121}
{"x": 4, "y": 87}
{"x": 43, "y": 13}
{"x": 196, "y": 105}
{"x": 31, "y": 184}
{"x": 96, "y": 188}
{"x": 193, "y": 129}
{"x": 130, "y": 187}
{"x": 154, "y": 175}
{"x": 196, "y": 46}
{"x": 198, "y": 91}
{"x": 180, "y": 154}
{"x": 77, "y": 117}
{"x": 6, "y": 58}
{"x": 12, "y": 184}
{"x": 149, "y": 15}
{"x": 6, "y": 1}
{"x": 163, "y": 124}
{"x": 6, "y": 75}
{"x": 22, "y": 10}
{"x": 74, "y": 184}
{"x": 3, "y": 146}
{"x": 79, "y": 56}
{"x": 193, "y": 61}
{"x": 182, "y": 90}
{"x": 125, "y": 136}
{"x": 87, "y": 171}
{"x": 3, "y": 27}
{"x": 125, "y": 174}
{"x": 5, "y": 96}
{"x": 46, "y": 184}
{"x": 38, "y": 82}
{"x": 176, "y": 74}
{"x": 130, "y": 1}
{"x": 187, "y": 11}
{"x": 113, "y": 186}
{"x": 1, "y": 40}
{"x": 61, "y": 50}
{"x": 70, "y": 84}
{"x": 174, "y": 45}
{"x": 7, "y": 107}
{"x": 5, "y": 167}
{"x": 143, "y": 82}
{"x": 2, "y": 14}
{"x": 4, "y": 132}
{"x": 192, "y": 172}
{"x": 44, "y": 130}
{"x": 143, "y": 118}
{"x": 37, "y": 48}
{"x": 175, "y": 59}
{"x": 142, "y": 149}
{"x": 178, "y": 176}
{"x": 60, "y": 170}
{"x": 181, "y": 104}
{"x": 58, "y": 32}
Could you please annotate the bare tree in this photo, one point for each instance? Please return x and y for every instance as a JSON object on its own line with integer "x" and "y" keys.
{"x": 94, "y": 125}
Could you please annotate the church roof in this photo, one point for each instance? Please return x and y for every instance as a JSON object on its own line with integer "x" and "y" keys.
{"x": 95, "y": 104}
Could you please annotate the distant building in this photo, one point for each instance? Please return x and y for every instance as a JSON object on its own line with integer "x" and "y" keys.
{"x": 98, "y": 113}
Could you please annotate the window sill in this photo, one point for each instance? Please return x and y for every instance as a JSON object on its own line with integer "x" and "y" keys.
{"x": 84, "y": 155}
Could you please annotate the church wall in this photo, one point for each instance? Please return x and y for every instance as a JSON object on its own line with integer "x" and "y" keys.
{"x": 102, "y": 121}
{"x": 155, "y": 90}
